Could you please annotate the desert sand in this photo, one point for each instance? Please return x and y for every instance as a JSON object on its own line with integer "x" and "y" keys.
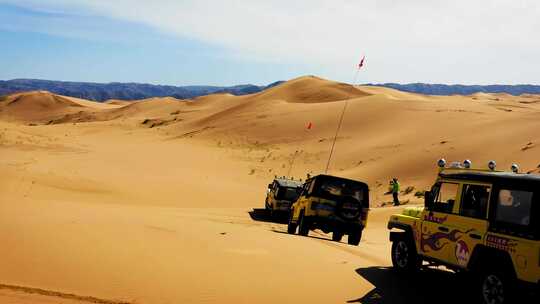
{"x": 153, "y": 201}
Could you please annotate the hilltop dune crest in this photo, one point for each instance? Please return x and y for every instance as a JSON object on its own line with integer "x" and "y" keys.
{"x": 311, "y": 89}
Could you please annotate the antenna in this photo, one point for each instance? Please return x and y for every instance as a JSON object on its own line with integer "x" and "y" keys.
{"x": 343, "y": 114}
{"x": 335, "y": 136}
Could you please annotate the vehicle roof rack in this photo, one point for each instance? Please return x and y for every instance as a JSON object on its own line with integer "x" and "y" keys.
{"x": 466, "y": 166}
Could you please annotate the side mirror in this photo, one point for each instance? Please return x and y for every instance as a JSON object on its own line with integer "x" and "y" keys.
{"x": 428, "y": 199}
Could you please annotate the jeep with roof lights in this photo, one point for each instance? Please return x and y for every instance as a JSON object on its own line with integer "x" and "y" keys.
{"x": 480, "y": 221}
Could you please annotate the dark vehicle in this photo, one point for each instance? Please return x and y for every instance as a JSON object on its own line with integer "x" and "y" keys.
{"x": 332, "y": 204}
{"x": 281, "y": 194}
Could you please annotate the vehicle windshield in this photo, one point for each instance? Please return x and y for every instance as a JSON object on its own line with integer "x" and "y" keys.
{"x": 288, "y": 193}
{"x": 335, "y": 188}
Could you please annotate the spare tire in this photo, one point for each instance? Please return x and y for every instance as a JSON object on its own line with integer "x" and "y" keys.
{"x": 349, "y": 208}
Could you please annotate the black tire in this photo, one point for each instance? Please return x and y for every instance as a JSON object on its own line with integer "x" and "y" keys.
{"x": 404, "y": 256}
{"x": 337, "y": 236}
{"x": 303, "y": 225}
{"x": 291, "y": 227}
{"x": 496, "y": 288}
{"x": 354, "y": 238}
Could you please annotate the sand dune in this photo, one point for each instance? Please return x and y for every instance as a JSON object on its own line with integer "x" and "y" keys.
{"x": 148, "y": 201}
{"x": 41, "y": 106}
{"x": 117, "y": 102}
{"x": 311, "y": 89}
{"x": 35, "y": 105}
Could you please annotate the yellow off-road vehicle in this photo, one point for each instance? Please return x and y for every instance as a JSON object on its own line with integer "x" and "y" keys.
{"x": 332, "y": 204}
{"x": 280, "y": 195}
{"x": 483, "y": 222}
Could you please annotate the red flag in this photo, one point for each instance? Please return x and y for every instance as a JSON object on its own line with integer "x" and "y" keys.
{"x": 361, "y": 64}
{"x": 309, "y": 125}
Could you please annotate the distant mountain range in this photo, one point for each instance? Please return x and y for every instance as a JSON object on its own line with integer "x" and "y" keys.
{"x": 458, "y": 89}
{"x": 133, "y": 91}
{"x": 123, "y": 91}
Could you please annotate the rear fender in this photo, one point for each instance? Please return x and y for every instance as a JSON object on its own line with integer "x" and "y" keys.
{"x": 484, "y": 256}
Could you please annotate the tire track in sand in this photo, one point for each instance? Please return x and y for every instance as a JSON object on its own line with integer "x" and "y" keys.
{"x": 57, "y": 294}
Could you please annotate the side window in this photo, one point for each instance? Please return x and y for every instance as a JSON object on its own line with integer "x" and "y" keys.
{"x": 474, "y": 201}
{"x": 306, "y": 188}
{"x": 445, "y": 198}
{"x": 311, "y": 186}
{"x": 514, "y": 207}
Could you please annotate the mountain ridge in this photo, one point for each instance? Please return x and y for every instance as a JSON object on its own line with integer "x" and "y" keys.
{"x": 460, "y": 89}
{"x": 121, "y": 91}
{"x": 134, "y": 91}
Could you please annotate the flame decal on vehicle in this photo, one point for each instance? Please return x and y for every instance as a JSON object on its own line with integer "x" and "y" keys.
{"x": 435, "y": 241}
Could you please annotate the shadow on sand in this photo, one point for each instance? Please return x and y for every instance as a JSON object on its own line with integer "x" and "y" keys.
{"x": 308, "y": 236}
{"x": 427, "y": 286}
{"x": 263, "y": 215}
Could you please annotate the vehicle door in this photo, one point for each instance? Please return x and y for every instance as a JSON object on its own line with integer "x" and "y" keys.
{"x": 471, "y": 222}
{"x": 437, "y": 232}
{"x": 514, "y": 226}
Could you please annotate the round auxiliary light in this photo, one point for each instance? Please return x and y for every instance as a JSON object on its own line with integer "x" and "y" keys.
{"x": 441, "y": 163}
{"x": 467, "y": 164}
{"x": 515, "y": 168}
{"x": 492, "y": 165}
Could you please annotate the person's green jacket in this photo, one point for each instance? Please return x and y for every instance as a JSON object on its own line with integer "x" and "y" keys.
{"x": 395, "y": 187}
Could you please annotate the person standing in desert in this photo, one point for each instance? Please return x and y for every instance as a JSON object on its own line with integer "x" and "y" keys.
{"x": 394, "y": 184}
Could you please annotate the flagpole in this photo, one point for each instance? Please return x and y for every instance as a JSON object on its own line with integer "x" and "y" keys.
{"x": 356, "y": 76}
{"x": 341, "y": 117}
{"x": 335, "y": 137}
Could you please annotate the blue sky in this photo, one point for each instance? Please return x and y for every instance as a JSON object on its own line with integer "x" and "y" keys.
{"x": 37, "y": 44}
{"x": 257, "y": 41}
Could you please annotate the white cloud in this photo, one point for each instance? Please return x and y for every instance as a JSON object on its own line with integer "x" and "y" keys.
{"x": 417, "y": 40}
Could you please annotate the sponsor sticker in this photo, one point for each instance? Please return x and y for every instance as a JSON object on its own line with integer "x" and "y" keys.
{"x": 435, "y": 219}
{"x": 501, "y": 243}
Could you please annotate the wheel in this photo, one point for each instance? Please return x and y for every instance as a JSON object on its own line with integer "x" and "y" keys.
{"x": 337, "y": 236}
{"x": 404, "y": 256}
{"x": 496, "y": 288}
{"x": 354, "y": 238}
{"x": 291, "y": 227}
{"x": 303, "y": 226}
